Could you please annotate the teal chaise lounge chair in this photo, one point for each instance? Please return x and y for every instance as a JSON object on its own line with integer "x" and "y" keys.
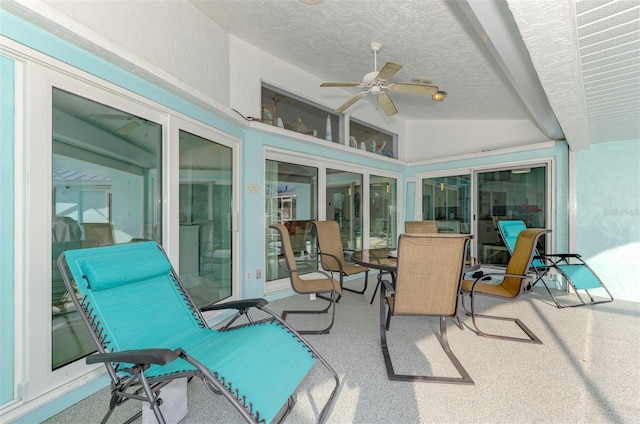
{"x": 148, "y": 332}
{"x": 575, "y": 271}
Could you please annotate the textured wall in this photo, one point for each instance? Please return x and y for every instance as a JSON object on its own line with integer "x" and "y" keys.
{"x": 608, "y": 214}
{"x": 173, "y": 36}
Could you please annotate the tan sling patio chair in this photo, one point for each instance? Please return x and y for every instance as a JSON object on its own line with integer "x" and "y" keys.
{"x": 514, "y": 282}
{"x": 420, "y": 227}
{"x": 332, "y": 256}
{"x": 326, "y": 288}
{"x": 427, "y": 284}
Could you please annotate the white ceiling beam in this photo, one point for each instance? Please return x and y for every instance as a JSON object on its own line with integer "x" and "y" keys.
{"x": 494, "y": 23}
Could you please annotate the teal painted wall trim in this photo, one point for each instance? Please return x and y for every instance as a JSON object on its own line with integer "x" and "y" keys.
{"x": 7, "y": 136}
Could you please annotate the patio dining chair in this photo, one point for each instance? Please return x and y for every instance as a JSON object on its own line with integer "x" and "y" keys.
{"x": 575, "y": 271}
{"x": 427, "y": 283}
{"x": 148, "y": 332}
{"x": 331, "y": 253}
{"x": 511, "y": 284}
{"x": 420, "y": 227}
{"x": 325, "y": 288}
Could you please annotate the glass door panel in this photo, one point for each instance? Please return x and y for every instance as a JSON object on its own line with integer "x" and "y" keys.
{"x": 105, "y": 190}
{"x": 206, "y": 177}
{"x": 291, "y": 196}
{"x": 383, "y": 212}
{"x": 508, "y": 194}
{"x": 447, "y": 200}
{"x": 344, "y": 205}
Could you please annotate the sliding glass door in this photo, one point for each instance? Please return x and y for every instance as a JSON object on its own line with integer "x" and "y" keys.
{"x": 475, "y": 200}
{"x": 447, "y": 200}
{"x": 519, "y": 193}
{"x": 105, "y": 190}
{"x": 206, "y": 199}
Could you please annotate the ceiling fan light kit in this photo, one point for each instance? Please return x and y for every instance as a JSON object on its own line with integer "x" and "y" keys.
{"x": 439, "y": 96}
{"x": 377, "y": 83}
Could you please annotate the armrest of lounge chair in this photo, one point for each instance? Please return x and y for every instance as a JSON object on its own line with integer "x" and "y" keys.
{"x": 238, "y": 304}
{"x": 138, "y": 356}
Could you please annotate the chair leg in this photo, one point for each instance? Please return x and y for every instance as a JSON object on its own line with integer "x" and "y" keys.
{"x": 380, "y": 274}
{"x": 464, "y": 378}
{"x": 366, "y": 278}
{"x": 531, "y": 337}
{"x": 331, "y": 301}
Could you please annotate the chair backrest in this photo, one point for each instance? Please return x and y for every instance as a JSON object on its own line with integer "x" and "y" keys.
{"x": 289, "y": 257}
{"x": 420, "y": 227}
{"x": 101, "y": 232}
{"x": 330, "y": 242}
{"x": 429, "y": 273}
{"x": 521, "y": 258}
{"x": 132, "y": 295}
{"x": 509, "y": 231}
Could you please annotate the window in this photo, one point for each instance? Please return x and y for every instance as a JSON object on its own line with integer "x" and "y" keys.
{"x": 371, "y": 139}
{"x": 291, "y": 199}
{"x": 291, "y": 112}
{"x": 206, "y": 178}
{"x": 105, "y": 190}
{"x": 447, "y": 200}
{"x": 509, "y": 194}
{"x": 344, "y": 205}
{"x": 383, "y": 212}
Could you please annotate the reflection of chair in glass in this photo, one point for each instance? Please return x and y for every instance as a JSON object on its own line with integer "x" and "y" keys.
{"x": 427, "y": 284}
{"x": 331, "y": 253}
{"x": 513, "y": 284}
{"x": 420, "y": 227}
{"x": 148, "y": 333}
{"x": 326, "y": 285}
{"x": 572, "y": 267}
{"x": 101, "y": 232}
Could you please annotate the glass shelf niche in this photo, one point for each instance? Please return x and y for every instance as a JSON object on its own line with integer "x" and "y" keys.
{"x": 372, "y": 139}
{"x": 293, "y": 113}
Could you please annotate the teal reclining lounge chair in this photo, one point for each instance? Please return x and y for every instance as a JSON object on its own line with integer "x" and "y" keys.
{"x": 571, "y": 266}
{"x": 149, "y": 332}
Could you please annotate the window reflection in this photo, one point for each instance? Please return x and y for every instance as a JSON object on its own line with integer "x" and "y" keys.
{"x": 205, "y": 218}
{"x": 382, "y": 212}
{"x": 291, "y": 199}
{"x": 105, "y": 190}
{"x": 344, "y": 205}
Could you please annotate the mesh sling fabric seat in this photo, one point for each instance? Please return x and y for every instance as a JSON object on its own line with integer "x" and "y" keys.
{"x": 427, "y": 283}
{"x": 148, "y": 332}
{"x": 420, "y": 227}
{"x": 325, "y": 288}
{"x": 410, "y": 227}
{"x": 511, "y": 287}
{"x": 575, "y": 271}
{"x": 331, "y": 253}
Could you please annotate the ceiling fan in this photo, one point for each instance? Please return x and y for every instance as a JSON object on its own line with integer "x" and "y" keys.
{"x": 377, "y": 83}
{"x": 132, "y": 124}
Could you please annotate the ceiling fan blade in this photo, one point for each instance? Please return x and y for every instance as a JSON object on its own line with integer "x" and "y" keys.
{"x": 111, "y": 116}
{"x": 429, "y": 90}
{"x": 388, "y": 71}
{"x": 350, "y": 102}
{"x": 341, "y": 84}
{"x": 387, "y": 105}
{"x": 127, "y": 128}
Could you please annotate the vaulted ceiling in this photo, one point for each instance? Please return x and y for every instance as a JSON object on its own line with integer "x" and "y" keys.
{"x": 571, "y": 68}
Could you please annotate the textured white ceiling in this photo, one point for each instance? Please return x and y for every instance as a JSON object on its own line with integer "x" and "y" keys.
{"x": 430, "y": 39}
{"x": 593, "y": 87}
